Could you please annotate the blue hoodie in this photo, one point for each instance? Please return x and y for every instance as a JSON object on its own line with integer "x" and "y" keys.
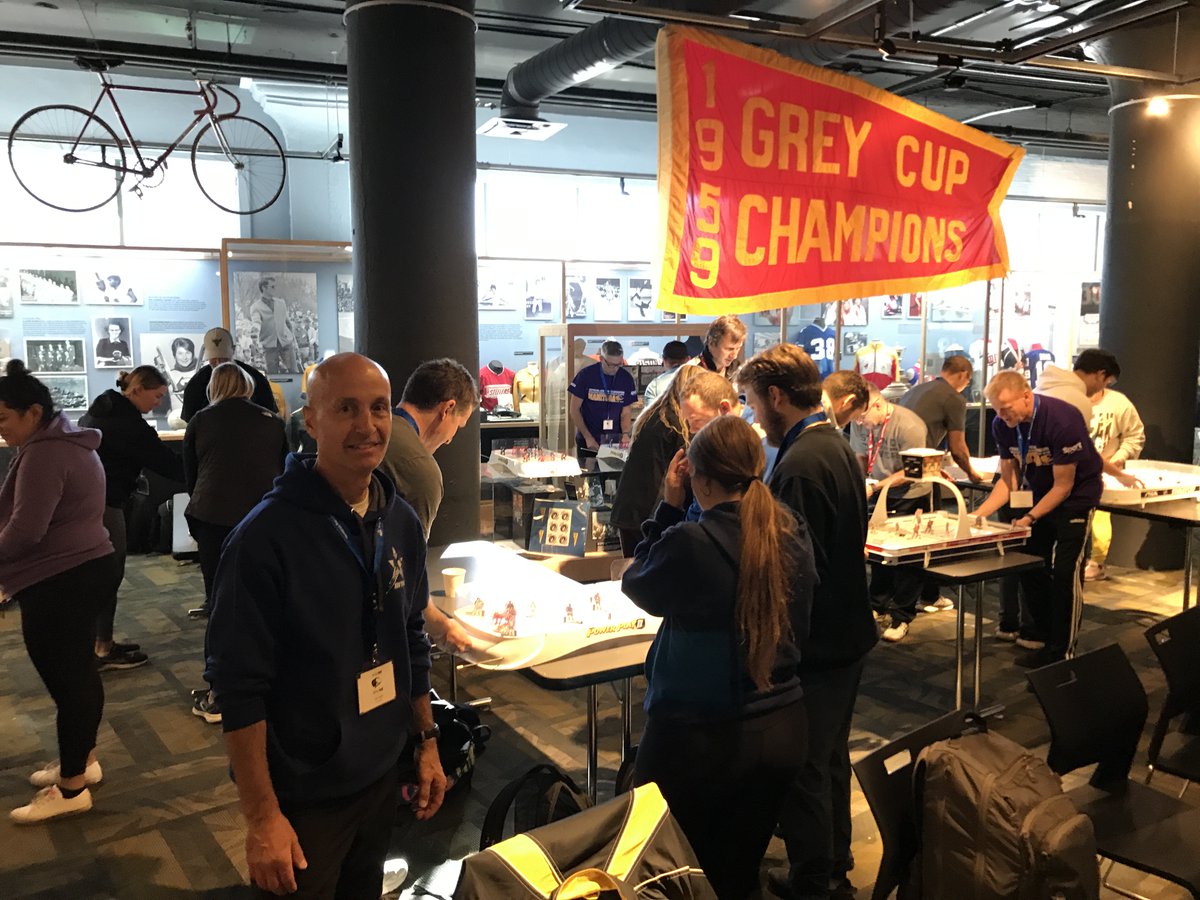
{"x": 291, "y": 625}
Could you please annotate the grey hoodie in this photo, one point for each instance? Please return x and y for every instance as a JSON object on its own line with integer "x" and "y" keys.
{"x": 1065, "y": 385}
{"x": 52, "y": 506}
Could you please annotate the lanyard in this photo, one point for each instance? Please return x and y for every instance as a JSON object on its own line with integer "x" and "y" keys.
{"x": 817, "y": 418}
{"x": 407, "y": 417}
{"x": 875, "y": 445}
{"x": 607, "y": 390}
{"x": 1023, "y": 439}
{"x": 373, "y": 603}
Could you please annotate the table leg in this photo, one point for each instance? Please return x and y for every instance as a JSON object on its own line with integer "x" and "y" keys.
{"x": 453, "y": 676}
{"x": 978, "y": 640}
{"x": 627, "y": 719}
{"x": 1187, "y": 567}
{"x": 593, "y": 740}
{"x": 958, "y": 651}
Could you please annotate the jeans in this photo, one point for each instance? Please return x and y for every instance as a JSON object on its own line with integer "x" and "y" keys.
{"x": 724, "y": 782}
{"x": 815, "y": 817}
{"x": 1054, "y": 594}
{"x": 106, "y": 610}
{"x": 58, "y": 622}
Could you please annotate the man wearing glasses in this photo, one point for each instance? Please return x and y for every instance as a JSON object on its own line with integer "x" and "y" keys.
{"x": 600, "y": 399}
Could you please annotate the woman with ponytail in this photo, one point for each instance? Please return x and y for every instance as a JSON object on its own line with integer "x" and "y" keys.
{"x": 55, "y": 560}
{"x": 725, "y": 727}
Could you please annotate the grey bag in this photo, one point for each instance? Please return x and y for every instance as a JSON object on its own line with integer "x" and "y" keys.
{"x": 996, "y": 824}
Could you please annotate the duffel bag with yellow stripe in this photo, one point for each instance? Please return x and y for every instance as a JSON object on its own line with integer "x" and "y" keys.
{"x": 630, "y": 848}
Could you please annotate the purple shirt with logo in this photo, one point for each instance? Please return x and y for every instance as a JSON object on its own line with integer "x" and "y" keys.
{"x": 1057, "y": 436}
{"x": 603, "y": 396}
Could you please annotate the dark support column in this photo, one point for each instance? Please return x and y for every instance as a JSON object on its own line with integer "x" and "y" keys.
{"x": 1150, "y": 285}
{"x": 412, "y": 190}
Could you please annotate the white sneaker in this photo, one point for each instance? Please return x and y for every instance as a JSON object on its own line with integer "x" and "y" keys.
{"x": 49, "y": 803}
{"x": 49, "y": 775}
{"x": 940, "y": 604}
{"x": 896, "y": 632}
{"x": 1094, "y": 571}
{"x": 1030, "y": 644}
{"x": 395, "y": 870}
{"x": 1007, "y": 636}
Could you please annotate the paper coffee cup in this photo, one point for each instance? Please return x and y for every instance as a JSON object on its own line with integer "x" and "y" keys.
{"x": 452, "y": 580}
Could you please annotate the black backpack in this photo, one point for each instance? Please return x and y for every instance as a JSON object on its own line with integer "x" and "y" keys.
{"x": 542, "y": 795}
{"x": 463, "y": 739}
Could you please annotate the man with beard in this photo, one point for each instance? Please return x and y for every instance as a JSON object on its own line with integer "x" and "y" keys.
{"x": 818, "y": 477}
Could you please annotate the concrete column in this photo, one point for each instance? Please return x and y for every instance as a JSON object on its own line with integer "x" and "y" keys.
{"x": 1150, "y": 285}
{"x": 412, "y": 191}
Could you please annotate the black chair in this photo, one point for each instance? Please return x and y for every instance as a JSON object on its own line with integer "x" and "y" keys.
{"x": 1096, "y": 708}
{"x": 1176, "y": 643}
{"x": 886, "y": 778}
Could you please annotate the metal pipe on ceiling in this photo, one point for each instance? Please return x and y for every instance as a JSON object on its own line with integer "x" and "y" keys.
{"x": 1136, "y": 12}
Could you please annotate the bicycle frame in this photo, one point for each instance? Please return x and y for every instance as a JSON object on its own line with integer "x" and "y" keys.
{"x": 206, "y": 91}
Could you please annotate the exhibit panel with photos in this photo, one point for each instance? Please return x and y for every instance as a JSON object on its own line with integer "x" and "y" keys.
{"x": 80, "y": 315}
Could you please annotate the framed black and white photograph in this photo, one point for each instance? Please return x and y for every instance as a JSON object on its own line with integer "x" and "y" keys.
{"x": 103, "y": 287}
{"x": 8, "y": 293}
{"x": 275, "y": 327}
{"x": 345, "y": 312}
{"x": 893, "y": 306}
{"x": 641, "y": 300}
{"x": 580, "y": 292}
{"x": 113, "y": 337}
{"x": 178, "y": 356}
{"x": 55, "y": 355}
{"x": 542, "y": 296}
{"x": 854, "y": 312}
{"x": 608, "y": 302}
{"x": 765, "y": 340}
{"x": 671, "y": 318}
{"x": 48, "y": 287}
{"x": 501, "y": 285}
{"x": 69, "y": 392}
{"x": 853, "y": 341}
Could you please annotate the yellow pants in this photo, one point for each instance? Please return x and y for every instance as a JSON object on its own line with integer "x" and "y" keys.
{"x": 1101, "y": 536}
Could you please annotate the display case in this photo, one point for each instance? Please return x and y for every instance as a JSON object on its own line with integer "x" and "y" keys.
{"x": 287, "y": 303}
{"x": 565, "y": 349}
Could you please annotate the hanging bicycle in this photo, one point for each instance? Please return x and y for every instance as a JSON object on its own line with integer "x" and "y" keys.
{"x": 237, "y": 162}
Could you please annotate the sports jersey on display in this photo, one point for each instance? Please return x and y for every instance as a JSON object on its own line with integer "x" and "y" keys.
{"x": 496, "y": 388}
{"x": 821, "y": 344}
{"x": 878, "y": 364}
{"x": 1036, "y": 360}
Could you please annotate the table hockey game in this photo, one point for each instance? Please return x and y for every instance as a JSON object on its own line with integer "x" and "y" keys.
{"x": 1159, "y": 481}
{"x": 534, "y": 462}
{"x": 928, "y": 536}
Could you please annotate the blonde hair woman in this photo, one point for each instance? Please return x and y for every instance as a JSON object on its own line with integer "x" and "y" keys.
{"x": 232, "y": 452}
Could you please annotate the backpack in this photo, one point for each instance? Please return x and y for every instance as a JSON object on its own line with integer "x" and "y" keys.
{"x": 542, "y": 795}
{"x": 630, "y": 848}
{"x": 462, "y": 740}
{"x": 995, "y": 823}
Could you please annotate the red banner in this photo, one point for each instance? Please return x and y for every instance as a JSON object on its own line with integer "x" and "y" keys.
{"x": 784, "y": 184}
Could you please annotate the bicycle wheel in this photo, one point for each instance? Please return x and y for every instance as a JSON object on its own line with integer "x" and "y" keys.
{"x": 238, "y": 164}
{"x": 66, "y": 157}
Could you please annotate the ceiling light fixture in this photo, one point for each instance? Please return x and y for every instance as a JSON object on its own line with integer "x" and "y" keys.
{"x": 885, "y": 45}
{"x": 1158, "y": 106}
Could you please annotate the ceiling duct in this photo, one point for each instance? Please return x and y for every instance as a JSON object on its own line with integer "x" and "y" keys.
{"x": 599, "y": 48}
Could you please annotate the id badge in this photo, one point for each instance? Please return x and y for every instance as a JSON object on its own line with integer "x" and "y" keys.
{"x": 1021, "y": 499}
{"x": 608, "y": 424}
{"x": 376, "y": 687}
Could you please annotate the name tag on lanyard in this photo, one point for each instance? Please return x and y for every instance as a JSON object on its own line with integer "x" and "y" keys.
{"x": 376, "y": 687}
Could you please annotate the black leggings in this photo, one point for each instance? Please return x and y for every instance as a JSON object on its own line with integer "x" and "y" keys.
{"x": 724, "y": 782}
{"x": 106, "y": 611}
{"x": 209, "y": 539}
{"x": 58, "y": 618}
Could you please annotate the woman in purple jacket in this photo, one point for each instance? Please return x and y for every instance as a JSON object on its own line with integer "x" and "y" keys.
{"x": 55, "y": 559}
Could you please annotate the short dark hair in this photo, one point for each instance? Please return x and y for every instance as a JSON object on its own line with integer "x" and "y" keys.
{"x": 957, "y": 364}
{"x": 438, "y": 380}
{"x": 675, "y": 351}
{"x": 1095, "y": 360}
{"x": 148, "y": 377}
{"x": 19, "y": 391}
{"x": 183, "y": 342}
{"x": 612, "y": 348}
{"x": 846, "y": 383}
{"x": 788, "y": 368}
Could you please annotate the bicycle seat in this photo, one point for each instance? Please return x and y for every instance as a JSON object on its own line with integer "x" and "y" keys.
{"x": 97, "y": 63}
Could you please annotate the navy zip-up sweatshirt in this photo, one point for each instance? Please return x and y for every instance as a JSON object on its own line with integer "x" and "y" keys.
{"x": 696, "y": 667}
{"x": 291, "y": 626}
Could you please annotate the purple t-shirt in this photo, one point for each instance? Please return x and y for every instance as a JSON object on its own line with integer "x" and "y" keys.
{"x": 1057, "y": 436}
{"x": 603, "y": 396}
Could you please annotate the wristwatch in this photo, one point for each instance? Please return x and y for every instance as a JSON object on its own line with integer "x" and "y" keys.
{"x": 430, "y": 734}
